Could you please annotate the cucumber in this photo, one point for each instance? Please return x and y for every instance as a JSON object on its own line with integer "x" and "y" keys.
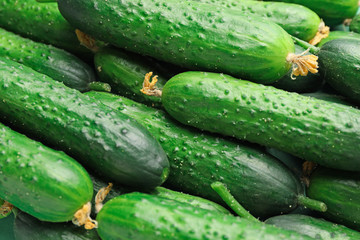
{"x": 53, "y": 62}
{"x": 333, "y": 12}
{"x": 297, "y": 20}
{"x": 189, "y": 34}
{"x": 6, "y": 228}
{"x": 340, "y": 190}
{"x": 328, "y": 97}
{"x": 339, "y": 34}
{"x": 355, "y": 24}
{"x": 43, "y": 182}
{"x": 108, "y": 142}
{"x": 142, "y": 216}
{"x": 39, "y": 22}
{"x": 262, "y": 184}
{"x": 312, "y": 129}
{"x": 27, "y": 227}
{"x": 313, "y": 227}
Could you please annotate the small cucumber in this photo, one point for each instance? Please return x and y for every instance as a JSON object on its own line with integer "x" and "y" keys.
{"x": 142, "y": 216}
{"x": 40, "y": 22}
{"x": 355, "y": 24}
{"x": 340, "y": 190}
{"x": 339, "y": 34}
{"x": 43, "y": 182}
{"x": 312, "y": 129}
{"x": 46, "y": 59}
{"x": 313, "y": 227}
{"x": 110, "y": 143}
{"x": 262, "y": 184}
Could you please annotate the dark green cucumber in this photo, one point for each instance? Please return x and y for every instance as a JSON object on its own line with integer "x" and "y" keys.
{"x": 312, "y": 129}
{"x": 297, "y": 20}
{"x": 339, "y": 34}
{"x": 46, "y": 59}
{"x": 355, "y": 24}
{"x": 43, "y": 182}
{"x": 328, "y": 97}
{"x": 340, "y": 190}
{"x": 189, "y": 34}
{"x": 40, "y": 22}
{"x": 262, "y": 184}
{"x": 300, "y": 84}
{"x": 6, "y": 228}
{"x": 333, "y": 12}
{"x": 313, "y": 227}
{"x": 142, "y": 216}
{"x": 108, "y": 142}
{"x": 27, "y": 227}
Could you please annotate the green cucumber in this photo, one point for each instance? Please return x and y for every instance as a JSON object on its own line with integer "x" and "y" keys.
{"x": 43, "y": 182}
{"x": 355, "y": 24}
{"x": 262, "y": 184}
{"x": 339, "y": 34}
{"x": 108, "y": 142}
{"x": 328, "y": 97}
{"x": 333, "y": 12}
{"x": 40, "y": 22}
{"x": 142, "y": 216}
{"x": 189, "y": 34}
{"x": 313, "y": 227}
{"x": 53, "y": 62}
{"x": 297, "y": 20}
{"x": 27, "y": 227}
{"x": 6, "y": 227}
{"x": 340, "y": 190}
{"x": 312, "y": 129}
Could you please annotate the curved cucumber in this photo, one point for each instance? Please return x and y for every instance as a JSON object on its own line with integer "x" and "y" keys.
{"x": 46, "y": 59}
{"x": 340, "y": 191}
{"x": 139, "y": 216}
{"x": 40, "y": 22}
{"x": 262, "y": 184}
{"x": 315, "y": 130}
{"x": 313, "y": 227}
{"x": 297, "y": 20}
{"x": 43, "y": 182}
{"x": 339, "y": 34}
{"x": 355, "y": 24}
{"x": 189, "y": 34}
{"x": 108, "y": 142}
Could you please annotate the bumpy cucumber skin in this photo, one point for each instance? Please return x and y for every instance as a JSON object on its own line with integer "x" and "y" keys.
{"x": 342, "y": 71}
{"x": 46, "y": 59}
{"x": 355, "y": 24}
{"x": 340, "y": 191}
{"x": 313, "y": 227}
{"x": 333, "y": 12}
{"x": 43, "y": 182}
{"x": 339, "y": 34}
{"x": 312, "y": 129}
{"x": 40, "y": 22}
{"x": 297, "y": 20}
{"x": 262, "y": 184}
{"x": 140, "y": 216}
{"x": 300, "y": 84}
{"x": 125, "y": 72}
{"x": 27, "y": 227}
{"x": 189, "y": 34}
{"x": 108, "y": 142}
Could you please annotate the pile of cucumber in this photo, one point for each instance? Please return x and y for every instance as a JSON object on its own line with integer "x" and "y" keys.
{"x": 167, "y": 119}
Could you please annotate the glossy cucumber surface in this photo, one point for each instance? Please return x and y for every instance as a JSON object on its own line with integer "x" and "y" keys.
{"x": 46, "y": 59}
{"x": 109, "y": 142}
{"x": 315, "y": 130}
{"x": 339, "y": 34}
{"x": 355, "y": 24}
{"x": 43, "y": 182}
{"x": 190, "y": 34}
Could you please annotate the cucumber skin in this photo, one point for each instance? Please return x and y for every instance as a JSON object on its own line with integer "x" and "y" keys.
{"x": 262, "y": 184}
{"x": 111, "y": 144}
{"x": 313, "y": 227}
{"x": 312, "y": 129}
{"x": 43, "y": 182}
{"x": 340, "y": 191}
{"x": 189, "y": 34}
{"x": 46, "y": 59}
{"x": 296, "y": 20}
{"x": 1, "y": 216}
{"x": 355, "y": 24}
{"x": 331, "y": 63}
{"x": 39, "y": 22}
{"x": 141, "y": 216}
{"x": 339, "y": 34}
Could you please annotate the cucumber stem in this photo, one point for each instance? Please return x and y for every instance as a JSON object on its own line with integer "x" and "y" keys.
{"x": 100, "y": 87}
{"x": 87, "y": 41}
{"x": 312, "y": 204}
{"x": 301, "y": 43}
{"x": 149, "y": 86}
{"x": 229, "y": 199}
